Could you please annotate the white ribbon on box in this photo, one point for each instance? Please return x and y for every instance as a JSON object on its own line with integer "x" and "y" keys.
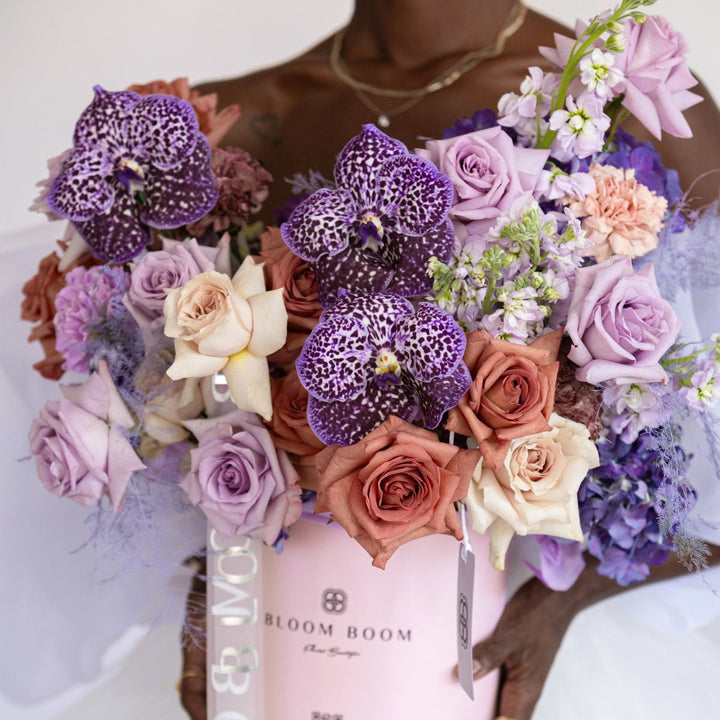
{"x": 338, "y": 639}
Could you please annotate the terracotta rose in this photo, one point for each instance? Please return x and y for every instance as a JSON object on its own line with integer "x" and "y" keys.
{"x": 395, "y": 485}
{"x": 512, "y": 392}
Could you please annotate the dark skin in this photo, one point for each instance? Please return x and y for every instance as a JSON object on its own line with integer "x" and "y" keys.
{"x": 298, "y": 116}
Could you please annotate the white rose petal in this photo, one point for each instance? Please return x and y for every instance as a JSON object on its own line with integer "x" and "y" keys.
{"x": 269, "y": 322}
{"x": 191, "y": 363}
{"x": 248, "y": 379}
{"x": 249, "y": 279}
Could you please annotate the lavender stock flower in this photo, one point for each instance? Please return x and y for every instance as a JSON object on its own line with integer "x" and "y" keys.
{"x": 374, "y": 355}
{"x": 136, "y": 163}
{"x": 378, "y": 229}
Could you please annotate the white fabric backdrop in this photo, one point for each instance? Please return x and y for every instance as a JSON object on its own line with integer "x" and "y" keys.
{"x": 651, "y": 653}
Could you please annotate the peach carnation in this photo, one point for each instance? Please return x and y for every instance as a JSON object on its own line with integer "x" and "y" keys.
{"x": 622, "y": 216}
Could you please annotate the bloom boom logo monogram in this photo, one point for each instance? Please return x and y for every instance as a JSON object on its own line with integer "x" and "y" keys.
{"x": 463, "y": 620}
{"x": 334, "y": 602}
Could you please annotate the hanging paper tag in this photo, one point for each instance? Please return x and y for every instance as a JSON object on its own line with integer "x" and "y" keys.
{"x": 465, "y": 585}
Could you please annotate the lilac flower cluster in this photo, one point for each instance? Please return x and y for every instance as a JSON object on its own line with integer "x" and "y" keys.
{"x": 512, "y": 282}
{"x": 620, "y": 504}
{"x": 92, "y": 324}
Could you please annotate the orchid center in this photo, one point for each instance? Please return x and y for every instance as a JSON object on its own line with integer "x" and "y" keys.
{"x": 131, "y": 176}
{"x": 387, "y": 369}
{"x": 371, "y": 231}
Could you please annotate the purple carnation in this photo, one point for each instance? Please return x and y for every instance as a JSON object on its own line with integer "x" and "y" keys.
{"x": 90, "y": 297}
{"x": 137, "y": 163}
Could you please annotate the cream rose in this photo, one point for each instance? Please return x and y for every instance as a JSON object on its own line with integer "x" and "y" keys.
{"x": 229, "y": 325}
{"x": 535, "y": 489}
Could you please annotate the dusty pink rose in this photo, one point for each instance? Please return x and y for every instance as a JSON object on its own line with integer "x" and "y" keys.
{"x": 511, "y": 394}
{"x": 239, "y": 480}
{"x": 80, "y": 450}
{"x": 289, "y": 425}
{"x": 286, "y": 270}
{"x": 487, "y": 170}
{"x": 394, "y": 486}
{"x": 621, "y": 216}
{"x": 619, "y": 325}
{"x": 213, "y": 124}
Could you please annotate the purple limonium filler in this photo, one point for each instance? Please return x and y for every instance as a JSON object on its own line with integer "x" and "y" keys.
{"x": 137, "y": 163}
{"x": 377, "y": 230}
{"x": 374, "y": 355}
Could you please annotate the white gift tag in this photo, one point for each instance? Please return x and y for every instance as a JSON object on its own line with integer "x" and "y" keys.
{"x": 465, "y": 585}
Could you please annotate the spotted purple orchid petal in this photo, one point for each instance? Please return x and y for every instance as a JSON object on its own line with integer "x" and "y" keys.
{"x": 413, "y": 194}
{"x": 101, "y": 123}
{"x": 345, "y": 423}
{"x": 354, "y": 268}
{"x": 441, "y": 394}
{"x": 178, "y": 196}
{"x": 359, "y": 161}
{"x": 357, "y": 366}
{"x": 410, "y": 277}
{"x": 136, "y": 163}
{"x": 82, "y": 190}
{"x": 430, "y": 344}
{"x": 320, "y": 225}
{"x": 163, "y": 130}
{"x": 377, "y": 312}
{"x": 334, "y": 362}
{"x": 116, "y": 236}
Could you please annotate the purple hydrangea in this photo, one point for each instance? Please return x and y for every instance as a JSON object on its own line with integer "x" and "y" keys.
{"x": 480, "y": 120}
{"x": 375, "y": 355}
{"x": 620, "y": 504}
{"x": 629, "y": 152}
{"x": 137, "y": 163}
{"x": 377, "y": 230}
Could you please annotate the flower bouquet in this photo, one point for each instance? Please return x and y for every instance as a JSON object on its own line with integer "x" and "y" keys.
{"x": 480, "y": 327}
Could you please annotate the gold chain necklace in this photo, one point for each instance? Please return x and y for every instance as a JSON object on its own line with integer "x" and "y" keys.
{"x": 467, "y": 62}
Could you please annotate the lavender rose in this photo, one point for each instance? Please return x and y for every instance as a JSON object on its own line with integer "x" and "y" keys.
{"x": 165, "y": 269}
{"x": 80, "y": 449}
{"x": 238, "y": 479}
{"x": 619, "y": 325}
{"x": 487, "y": 171}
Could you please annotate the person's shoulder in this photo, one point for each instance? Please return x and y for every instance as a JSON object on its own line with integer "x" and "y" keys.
{"x": 273, "y": 88}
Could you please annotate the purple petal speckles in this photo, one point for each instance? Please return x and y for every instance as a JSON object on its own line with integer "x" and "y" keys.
{"x": 320, "y": 225}
{"x": 441, "y": 394}
{"x": 101, "y": 122}
{"x": 359, "y": 161}
{"x": 116, "y": 236}
{"x": 136, "y": 162}
{"x": 413, "y": 194}
{"x": 82, "y": 191}
{"x": 163, "y": 129}
{"x": 344, "y": 423}
{"x": 430, "y": 342}
{"x": 173, "y": 196}
{"x": 333, "y": 364}
{"x": 411, "y": 278}
{"x": 387, "y": 218}
{"x": 373, "y": 355}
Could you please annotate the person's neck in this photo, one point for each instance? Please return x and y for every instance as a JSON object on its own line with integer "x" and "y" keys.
{"x": 413, "y": 34}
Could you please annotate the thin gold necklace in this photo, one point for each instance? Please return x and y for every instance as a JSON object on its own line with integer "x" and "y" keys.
{"x": 450, "y": 75}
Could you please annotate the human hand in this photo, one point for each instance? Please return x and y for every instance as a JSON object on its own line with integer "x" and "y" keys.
{"x": 192, "y": 685}
{"x": 523, "y": 646}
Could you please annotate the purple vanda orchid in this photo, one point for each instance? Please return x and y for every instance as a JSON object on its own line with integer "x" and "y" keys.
{"x": 137, "y": 163}
{"x": 377, "y": 230}
{"x": 374, "y": 355}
